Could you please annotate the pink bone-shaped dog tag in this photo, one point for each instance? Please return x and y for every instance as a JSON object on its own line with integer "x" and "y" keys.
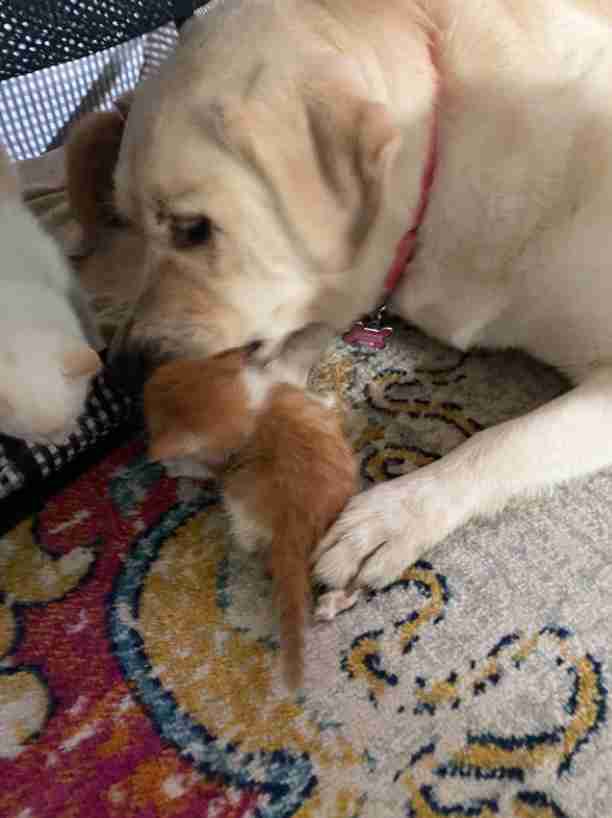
{"x": 360, "y": 334}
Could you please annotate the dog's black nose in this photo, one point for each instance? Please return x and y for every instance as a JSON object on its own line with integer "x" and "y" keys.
{"x": 131, "y": 365}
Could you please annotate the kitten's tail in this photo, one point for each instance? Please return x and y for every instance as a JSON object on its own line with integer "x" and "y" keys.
{"x": 289, "y": 564}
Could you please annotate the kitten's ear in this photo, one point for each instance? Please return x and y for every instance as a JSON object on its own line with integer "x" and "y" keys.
{"x": 80, "y": 362}
{"x": 173, "y": 443}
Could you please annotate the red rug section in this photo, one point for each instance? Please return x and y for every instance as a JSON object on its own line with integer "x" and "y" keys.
{"x": 98, "y": 754}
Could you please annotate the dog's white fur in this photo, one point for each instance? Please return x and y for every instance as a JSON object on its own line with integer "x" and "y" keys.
{"x": 46, "y": 331}
{"x": 302, "y": 129}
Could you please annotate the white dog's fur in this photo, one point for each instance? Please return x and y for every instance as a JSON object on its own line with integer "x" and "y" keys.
{"x": 46, "y": 361}
{"x": 303, "y": 128}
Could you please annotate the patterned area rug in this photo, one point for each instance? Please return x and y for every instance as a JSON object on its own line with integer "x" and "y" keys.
{"x": 139, "y": 669}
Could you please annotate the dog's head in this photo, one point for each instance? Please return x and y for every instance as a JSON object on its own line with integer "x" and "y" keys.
{"x": 255, "y": 178}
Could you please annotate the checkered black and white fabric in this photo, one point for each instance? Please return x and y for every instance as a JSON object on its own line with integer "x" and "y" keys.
{"x": 21, "y": 463}
{"x": 37, "y": 110}
{"x": 60, "y": 59}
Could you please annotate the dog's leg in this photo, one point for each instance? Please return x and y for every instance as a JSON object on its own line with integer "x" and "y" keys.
{"x": 385, "y": 529}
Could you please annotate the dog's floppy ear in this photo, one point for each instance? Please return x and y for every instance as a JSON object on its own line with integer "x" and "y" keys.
{"x": 327, "y": 167}
{"x": 92, "y": 151}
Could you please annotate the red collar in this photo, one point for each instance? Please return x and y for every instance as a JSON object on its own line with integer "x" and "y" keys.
{"x": 407, "y": 245}
{"x": 370, "y": 332}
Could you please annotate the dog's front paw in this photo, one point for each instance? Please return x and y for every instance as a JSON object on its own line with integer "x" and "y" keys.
{"x": 384, "y": 530}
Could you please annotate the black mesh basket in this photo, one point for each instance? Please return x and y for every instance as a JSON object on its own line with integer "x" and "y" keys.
{"x": 59, "y": 60}
{"x": 38, "y": 34}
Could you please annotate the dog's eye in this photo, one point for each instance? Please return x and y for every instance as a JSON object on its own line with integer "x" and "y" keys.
{"x": 193, "y": 233}
{"x": 252, "y": 348}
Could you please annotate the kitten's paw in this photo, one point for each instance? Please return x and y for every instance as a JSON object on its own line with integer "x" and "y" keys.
{"x": 327, "y": 399}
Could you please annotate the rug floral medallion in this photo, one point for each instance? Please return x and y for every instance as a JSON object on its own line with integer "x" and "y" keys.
{"x": 139, "y": 669}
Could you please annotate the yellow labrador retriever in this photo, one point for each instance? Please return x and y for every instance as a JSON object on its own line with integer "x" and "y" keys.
{"x": 278, "y": 159}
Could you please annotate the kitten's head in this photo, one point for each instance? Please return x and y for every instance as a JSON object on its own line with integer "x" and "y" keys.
{"x": 201, "y": 409}
{"x": 44, "y": 379}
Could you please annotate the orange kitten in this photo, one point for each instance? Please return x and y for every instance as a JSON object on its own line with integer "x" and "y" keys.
{"x": 286, "y": 467}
